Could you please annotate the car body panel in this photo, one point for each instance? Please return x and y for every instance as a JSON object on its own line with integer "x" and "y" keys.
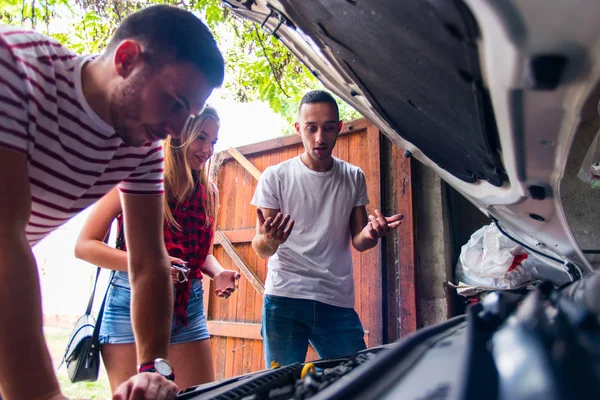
{"x": 490, "y": 94}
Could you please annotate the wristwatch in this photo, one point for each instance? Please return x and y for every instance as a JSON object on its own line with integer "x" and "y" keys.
{"x": 160, "y": 366}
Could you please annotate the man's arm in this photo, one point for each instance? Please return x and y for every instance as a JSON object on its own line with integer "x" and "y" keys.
{"x": 366, "y": 230}
{"x": 25, "y": 366}
{"x": 149, "y": 274}
{"x": 272, "y": 229}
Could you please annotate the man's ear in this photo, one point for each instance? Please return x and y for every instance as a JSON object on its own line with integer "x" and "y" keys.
{"x": 339, "y": 127}
{"x": 297, "y": 126}
{"x": 127, "y": 56}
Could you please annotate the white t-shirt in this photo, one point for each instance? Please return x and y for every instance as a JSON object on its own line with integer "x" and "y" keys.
{"x": 315, "y": 262}
{"x": 74, "y": 156}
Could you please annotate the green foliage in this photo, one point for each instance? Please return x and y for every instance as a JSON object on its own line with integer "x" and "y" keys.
{"x": 259, "y": 66}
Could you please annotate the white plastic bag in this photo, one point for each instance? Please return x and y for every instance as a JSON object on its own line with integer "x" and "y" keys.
{"x": 590, "y": 168}
{"x": 492, "y": 260}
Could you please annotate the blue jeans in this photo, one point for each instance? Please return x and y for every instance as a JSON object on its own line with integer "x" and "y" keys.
{"x": 116, "y": 322}
{"x": 288, "y": 325}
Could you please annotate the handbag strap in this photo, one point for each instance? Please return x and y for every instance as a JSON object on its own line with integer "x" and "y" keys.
{"x": 120, "y": 242}
{"x": 101, "y": 311}
{"x": 88, "y": 310}
{"x": 119, "y": 245}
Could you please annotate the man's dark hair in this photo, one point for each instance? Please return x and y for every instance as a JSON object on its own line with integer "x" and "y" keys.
{"x": 167, "y": 31}
{"x": 319, "y": 96}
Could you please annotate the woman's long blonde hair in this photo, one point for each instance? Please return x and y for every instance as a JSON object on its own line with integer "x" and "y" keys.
{"x": 179, "y": 183}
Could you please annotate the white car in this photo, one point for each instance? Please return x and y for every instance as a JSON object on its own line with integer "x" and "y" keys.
{"x": 501, "y": 99}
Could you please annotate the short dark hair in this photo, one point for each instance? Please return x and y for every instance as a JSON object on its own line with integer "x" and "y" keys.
{"x": 170, "y": 30}
{"x": 319, "y": 96}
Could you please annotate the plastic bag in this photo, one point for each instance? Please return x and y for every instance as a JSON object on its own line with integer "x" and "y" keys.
{"x": 590, "y": 168}
{"x": 492, "y": 260}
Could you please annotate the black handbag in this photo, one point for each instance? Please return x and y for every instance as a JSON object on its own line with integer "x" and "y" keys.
{"x": 82, "y": 355}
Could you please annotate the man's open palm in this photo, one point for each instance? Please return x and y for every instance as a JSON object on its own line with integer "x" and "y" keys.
{"x": 275, "y": 231}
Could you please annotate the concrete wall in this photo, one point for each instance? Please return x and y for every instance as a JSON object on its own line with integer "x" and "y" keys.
{"x": 434, "y": 245}
{"x": 444, "y": 222}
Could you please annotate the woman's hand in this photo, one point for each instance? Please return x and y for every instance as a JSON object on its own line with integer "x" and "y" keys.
{"x": 175, "y": 274}
{"x": 226, "y": 283}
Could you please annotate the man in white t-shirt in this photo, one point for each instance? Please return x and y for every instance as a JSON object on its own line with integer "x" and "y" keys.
{"x": 309, "y": 291}
{"x": 71, "y": 128}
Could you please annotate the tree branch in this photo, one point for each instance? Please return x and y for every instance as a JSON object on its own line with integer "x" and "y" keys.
{"x": 270, "y": 63}
{"x": 47, "y": 19}
{"x": 33, "y": 22}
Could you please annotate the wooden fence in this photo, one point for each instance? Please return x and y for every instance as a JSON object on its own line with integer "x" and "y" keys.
{"x": 234, "y": 324}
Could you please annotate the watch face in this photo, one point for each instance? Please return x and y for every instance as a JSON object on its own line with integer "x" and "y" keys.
{"x": 163, "y": 367}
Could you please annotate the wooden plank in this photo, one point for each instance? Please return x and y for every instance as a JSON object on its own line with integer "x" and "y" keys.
{"x": 341, "y": 147}
{"x": 241, "y": 177}
{"x": 244, "y": 268}
{"x": 244, "y": 291}
{"x": 355, "y": 157}
{"x": 258, "y": 358}
{"x": 206, "y": 286}
{"x": 247, "y": 356}
{"x": 230, "y": 346}
{"x": 265, "y": 146}
{"x": 246, "y": 192}
{"x": 219, "y": 306}
{"x": 214, "y": 306}
{"x": 213, "y": 303}
{"x": 231, "y": 172}
{"x": 238, "y": 357}
{"x": 400, "y": 247}
{"x": 248, "y": 297}
{"x": 292, "y": 151}
{"x": 407, "y": 251}
{"x": 214, "y": 349}
{"x": 244, "y": 235}
{"x": 389, "y": 180}
{"x": 372, "y": 265}
{"x": 220, "y": 355}
{"x": 248, "y": 166}
{"x": 291, "y": 140}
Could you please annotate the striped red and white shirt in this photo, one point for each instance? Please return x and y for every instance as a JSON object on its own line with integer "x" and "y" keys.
{"x": 74, "y": 156}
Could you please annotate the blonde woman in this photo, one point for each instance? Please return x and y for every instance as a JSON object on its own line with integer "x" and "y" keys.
{"x": 190, "y": 213}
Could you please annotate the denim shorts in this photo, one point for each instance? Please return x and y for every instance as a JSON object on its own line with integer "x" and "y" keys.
{"x": 116, "y": 322}
{"x": 288, "y": 325}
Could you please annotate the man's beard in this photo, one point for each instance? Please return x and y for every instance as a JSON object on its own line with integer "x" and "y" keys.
{"x": 125, "y": 106}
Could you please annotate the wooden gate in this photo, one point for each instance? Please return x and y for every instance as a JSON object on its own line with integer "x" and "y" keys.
{"x": 234, "y": 324}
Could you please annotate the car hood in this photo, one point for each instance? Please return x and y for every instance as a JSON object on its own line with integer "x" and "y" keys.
{"x": 500, "y": 98}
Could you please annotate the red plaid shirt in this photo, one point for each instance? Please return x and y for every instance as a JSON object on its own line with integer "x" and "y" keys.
{"x": 190, "y": 242}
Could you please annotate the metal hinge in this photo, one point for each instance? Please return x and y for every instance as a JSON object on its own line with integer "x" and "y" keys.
{"x": 281, "y": 19}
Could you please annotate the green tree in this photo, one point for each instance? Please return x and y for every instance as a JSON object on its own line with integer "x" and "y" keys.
{"x": 259, "y": 66}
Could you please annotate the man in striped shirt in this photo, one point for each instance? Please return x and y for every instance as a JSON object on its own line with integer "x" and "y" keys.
{"x": 71, "y": 128}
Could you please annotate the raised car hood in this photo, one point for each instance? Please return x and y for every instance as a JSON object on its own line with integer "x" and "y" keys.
{"x": 490, "y": 94}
